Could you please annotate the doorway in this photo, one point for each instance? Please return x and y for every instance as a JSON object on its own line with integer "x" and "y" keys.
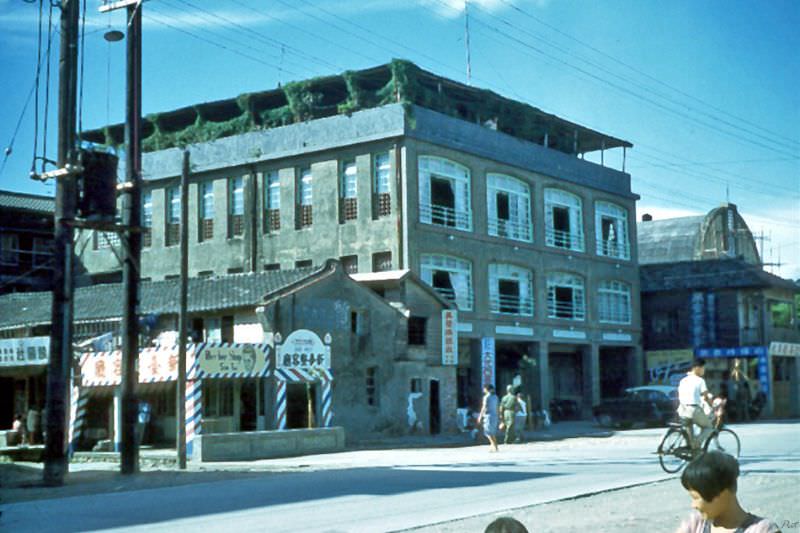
{"x": 301, "y": 405}
{"x": 433, "y": 408}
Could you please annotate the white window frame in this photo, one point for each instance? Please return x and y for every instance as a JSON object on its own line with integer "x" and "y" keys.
{"x": 236, "y": 204}
{"x": 573, "y": 203}
{"x": 207, "y": 200}
{"x": 614, "y": 302}
{"x": 9, "y": 249}
{"x": 382, "y": 172}
{"x": 459, "y": 178}
{"x": 619, "y": 245}
{"x": 460, "y": 271}
{"x": 305, "y": 192}
{"x": 577, "y": 307}
{"x": 147, "y": 209}
{"x": 518, "y": 227}
{"x": 524, "y": 277}
{"x": 272, "y": 190}
{"x": 349, "y": 179}
{"x": 173, "y": 205}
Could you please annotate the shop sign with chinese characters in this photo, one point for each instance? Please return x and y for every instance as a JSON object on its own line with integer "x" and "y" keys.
{"x": 303, "y": 349}
{"x": 237, "y": 359}
{"x": 449, "y": 337}
{"x": 24, "y": 352}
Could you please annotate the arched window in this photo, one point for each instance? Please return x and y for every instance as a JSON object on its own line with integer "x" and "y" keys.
{"x": 450, "y": 276}
{"x": 614, "y": 302}
{"x": 565, "y": 296}
{"x": 510, "y": 289}
{"x": 444, "y": 193}
{"x": 563, "y": 220}
{"x": 611, "y": 230}
{"x": 508, "y": 202}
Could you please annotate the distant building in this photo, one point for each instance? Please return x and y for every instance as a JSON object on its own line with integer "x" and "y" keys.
{"x": 705, "y": 293}
{"x": 26, "y": 242}
{"x": 486, "y": 199}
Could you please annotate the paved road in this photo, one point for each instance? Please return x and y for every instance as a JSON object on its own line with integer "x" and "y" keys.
{"x": 392, "y": 490}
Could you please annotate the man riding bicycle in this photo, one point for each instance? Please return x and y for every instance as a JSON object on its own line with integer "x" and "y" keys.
{"x": 692, "y": 391}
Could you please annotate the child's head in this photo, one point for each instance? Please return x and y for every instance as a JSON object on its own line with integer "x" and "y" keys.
{"x": 505, "y": 524}
{"x": 711, "y": 480}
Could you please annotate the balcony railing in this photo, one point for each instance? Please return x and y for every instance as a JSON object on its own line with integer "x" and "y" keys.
{"x": 510, "y": 229}
{"x": 613, "y": 248}
{"x": 463, "y": 301}
{"x": 511, "y": 305}
{"x": 565, "y": 310}
{"x": 445, "y": 216}
{"x": 564, "y": 239}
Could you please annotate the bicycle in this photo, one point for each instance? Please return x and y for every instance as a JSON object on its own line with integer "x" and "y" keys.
{"x": 675, "y": 449}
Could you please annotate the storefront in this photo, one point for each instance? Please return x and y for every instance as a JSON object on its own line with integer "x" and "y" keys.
{"x": 23, "y": 381}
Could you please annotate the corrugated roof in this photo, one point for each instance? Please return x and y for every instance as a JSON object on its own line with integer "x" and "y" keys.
{"x": 100, "y": 302}
{"x": 669, "y": 240}
{"x": 27, "y": 202}
{"x": 708, "y": 274}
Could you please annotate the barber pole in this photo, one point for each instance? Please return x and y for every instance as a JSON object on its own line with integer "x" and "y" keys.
{"x": 77, "y": 414}
{"x": 280, "y": 404}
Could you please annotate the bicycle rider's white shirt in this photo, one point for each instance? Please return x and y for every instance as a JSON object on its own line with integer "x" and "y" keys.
{"x": 691, "y": 389}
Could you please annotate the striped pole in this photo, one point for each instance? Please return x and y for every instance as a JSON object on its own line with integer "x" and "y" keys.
{"x": 327, "y": 397}
{"x": 280, "y": 404}
{"x": 77, "y": 415}
{"x": 194, "y": 412}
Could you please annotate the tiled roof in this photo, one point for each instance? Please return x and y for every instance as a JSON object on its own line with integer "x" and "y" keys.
{"x": 100, "y": 302}
{"x": 669, "y": 240}
{"x": 27, "y": 202}
{"x": 708, "y": 274}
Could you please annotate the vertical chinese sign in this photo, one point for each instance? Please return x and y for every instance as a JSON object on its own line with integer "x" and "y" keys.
{"x": 487, "y": 361}
{"x": 449, "y": 337}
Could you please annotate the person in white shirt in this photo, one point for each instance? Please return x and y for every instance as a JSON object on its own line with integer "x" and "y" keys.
{"x": 692, "y": 392}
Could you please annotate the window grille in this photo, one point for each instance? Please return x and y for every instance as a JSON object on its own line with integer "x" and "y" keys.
{"x": 565, "y": 296}
{"x": 372, "y": 385}
{"x": 508, "y": 206}
{"x": 272, "y": 201}
{"x": 305, "y": 198}
{"x": 563, "y": 220}
{"x": 236, "y": 226}
{"x": 444, "y": 193}
{"x": 381, "y": 261}
{"x": 611, "y": 230}
{"x": 348, "y": 198}
{"x": 207, "y": 211}
{"x": 510, "y": 289}
{"x": 349, "y": 263}
{"x": 173, "y": 229}
{"x": 147, "y": 219}
{"x": 382, "y": 174}
{"x": 451, "y": 277}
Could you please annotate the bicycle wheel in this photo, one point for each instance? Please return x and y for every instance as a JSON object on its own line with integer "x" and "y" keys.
{"x": 673, "y": 451}
{"x": 725, "y": 441}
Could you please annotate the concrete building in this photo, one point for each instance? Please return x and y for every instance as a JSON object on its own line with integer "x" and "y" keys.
{"x": 704, "y": 292}
{"x": 487, "y": 200}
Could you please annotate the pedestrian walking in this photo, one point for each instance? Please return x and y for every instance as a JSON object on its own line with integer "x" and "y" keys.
{"x": 488, "y": 416}
{"x": 33, "y": 424}
{"x": 741, "y": 392}
{"x": 711, "y": 481}
{"x": 521, "y": 418}
{"x": 508, "y": 414}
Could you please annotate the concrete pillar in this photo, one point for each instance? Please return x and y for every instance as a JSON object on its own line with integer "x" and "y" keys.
{"x": 543, "y": 360}
{"x": 117, "y": 407}
{"x": 591, "y": 378}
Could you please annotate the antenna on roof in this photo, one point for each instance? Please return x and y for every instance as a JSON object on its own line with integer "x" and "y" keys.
{"x": 466, "y": 41}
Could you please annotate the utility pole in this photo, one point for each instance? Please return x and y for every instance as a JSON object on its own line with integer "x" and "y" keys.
{"x": 466, "y": 41}
{"x": 58, "y": 372}
{"x": 131, "y": 218}
{"x": 181, "y": 393}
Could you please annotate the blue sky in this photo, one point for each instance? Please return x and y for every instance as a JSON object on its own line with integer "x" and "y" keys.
{"x": 706, "y": 90}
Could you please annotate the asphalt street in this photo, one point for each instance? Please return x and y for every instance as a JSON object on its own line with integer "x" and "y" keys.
{"x": 391, "y": 490}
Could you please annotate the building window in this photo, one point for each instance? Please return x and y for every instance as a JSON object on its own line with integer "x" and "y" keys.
{"x": 272, "y": 266}
{"x": 444, "y": 193}
{"x": 206, "y": 211}
{"x": 780, "y": 313}
{"x": 173, "y": 216}
{"x": 348, "y": 188}
{"x": 107, "y": 239}
{"x": 217, "y": 397}
{"x": 563, "y": 220}
{"x": 382, "y": 198}
{"x": 508, "y": 204}
{"x": 381, "y": 261}
{"x": 415, "y": 385}
{"x": 236, "y": 270}
{"x": 272, "y": 202}
{"x": 510, "y": 289}
{"x": 372, "y": 385}
{"x": 565, "y": 296}
{"x": 303, "y": 263}
{"x": 9, "y": 249}
{"x": 614, "y": 302}
{"x": 305, "y": 197}
{"x": 416, "y": 330}
{"x": 349, "y": 263}
{"x": 226, "y": 329}
{"x": 611, "y": 230}
{"x": 451, "y": 277}
{"x": 42, "y": 251}
{"x": 236, "y": 207}
{"x": 147, "y": 219}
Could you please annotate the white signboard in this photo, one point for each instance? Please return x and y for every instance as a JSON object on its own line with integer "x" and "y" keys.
{"x": 236, "y": 359}
{"x": 449, "y": 337}
{"x": 303, "y": 349}
{"x": 786, "y": 349}
{"x": 23, "y": 352}
{"x": 487, "y": 361}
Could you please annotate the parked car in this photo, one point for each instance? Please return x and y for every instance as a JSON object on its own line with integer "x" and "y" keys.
{"x": 649, "y": 405}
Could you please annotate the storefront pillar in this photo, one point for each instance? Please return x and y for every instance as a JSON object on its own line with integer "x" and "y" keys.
{"x": 636, "y": 366}
{"x": 591, "y": 378}
{"x": 543, "y": 361}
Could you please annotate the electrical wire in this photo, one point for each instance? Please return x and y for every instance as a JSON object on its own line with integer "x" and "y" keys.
{"x": 10, "y": 148}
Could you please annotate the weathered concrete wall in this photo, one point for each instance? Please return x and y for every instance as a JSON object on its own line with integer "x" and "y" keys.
{"x": 249, "y": 446}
